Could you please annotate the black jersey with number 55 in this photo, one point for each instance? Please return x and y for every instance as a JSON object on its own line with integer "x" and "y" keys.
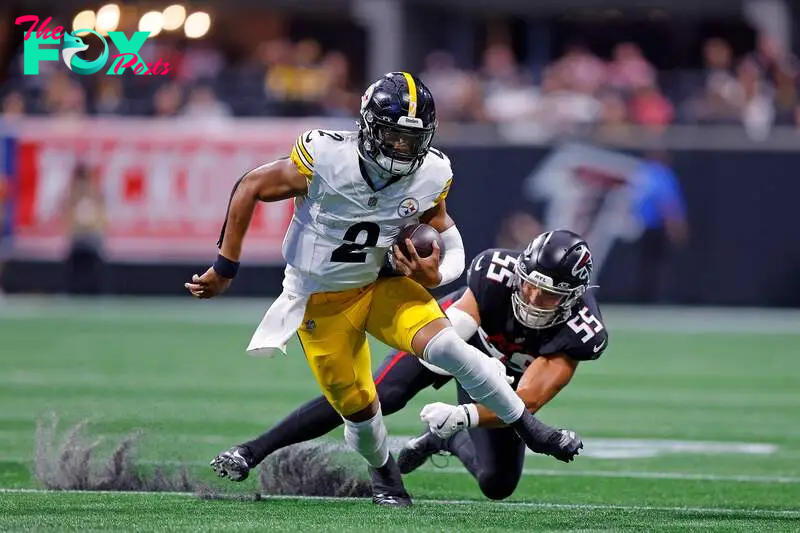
{"x": 582, "y": 337}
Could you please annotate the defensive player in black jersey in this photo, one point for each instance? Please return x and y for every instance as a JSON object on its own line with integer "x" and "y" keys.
{"x": 532, "y": 311}
{"x": 529, "y": 311}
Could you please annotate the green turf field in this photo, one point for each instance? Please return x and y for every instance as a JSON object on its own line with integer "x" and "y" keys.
{"x": 691, "y": 421}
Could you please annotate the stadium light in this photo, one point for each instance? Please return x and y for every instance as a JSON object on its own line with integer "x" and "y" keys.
{"x": 152, "y": 21}
{"x": 82, "y": 21}
{"x": 197, "y": 24}
{"x": 107, "y": 19}
{"x": 174, "y": 16}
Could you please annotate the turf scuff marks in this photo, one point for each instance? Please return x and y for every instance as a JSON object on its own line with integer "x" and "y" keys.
{"x": 311, "y": 469}
{"x": 73, "y": 464}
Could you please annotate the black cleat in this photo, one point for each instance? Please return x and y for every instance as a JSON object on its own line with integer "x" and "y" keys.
{"x": 387, "y": 485}
{"x": 562, "y": 444}
{"x": 234, "y": 463}
{"x": 418, "y": 450}
{"x": 569, "y": 445}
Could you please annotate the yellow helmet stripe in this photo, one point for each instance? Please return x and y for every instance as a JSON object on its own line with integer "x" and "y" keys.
{"x": 412, "y": 95}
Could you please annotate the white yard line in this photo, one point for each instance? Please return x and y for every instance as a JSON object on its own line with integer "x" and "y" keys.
{"x": 683, "y": 476}
{"x": 530, "y": 505}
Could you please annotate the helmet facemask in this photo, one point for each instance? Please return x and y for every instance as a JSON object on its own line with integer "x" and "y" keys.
{"x": 398, "y": 149}
{"x": 551, "y": 304}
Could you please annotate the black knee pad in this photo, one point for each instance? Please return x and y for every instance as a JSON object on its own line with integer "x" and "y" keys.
{"x": 496, "y": 487}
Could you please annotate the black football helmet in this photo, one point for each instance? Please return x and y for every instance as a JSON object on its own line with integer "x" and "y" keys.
{"x": 551, "y": 274}
{"x": 397, "y": 123}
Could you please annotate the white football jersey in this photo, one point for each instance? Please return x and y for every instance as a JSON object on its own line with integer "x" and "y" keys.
{"x": 342, "y": 229}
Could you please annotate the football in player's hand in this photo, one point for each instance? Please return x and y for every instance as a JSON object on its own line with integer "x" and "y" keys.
{"x": 422, "y": 236}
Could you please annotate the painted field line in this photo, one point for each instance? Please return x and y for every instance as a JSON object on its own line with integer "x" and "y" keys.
{"x": 681, "y": 476}
{"x": 528, "y": 505}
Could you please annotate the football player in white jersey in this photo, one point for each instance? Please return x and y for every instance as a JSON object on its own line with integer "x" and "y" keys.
{"x": 353, "y": 192}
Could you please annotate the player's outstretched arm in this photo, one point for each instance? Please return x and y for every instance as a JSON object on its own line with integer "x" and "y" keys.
{"x": 272, "y": 182}
{"x": 542, "y": 380}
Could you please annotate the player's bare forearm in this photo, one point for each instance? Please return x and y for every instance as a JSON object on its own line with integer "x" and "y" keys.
{"x": 436, "y": 268}
{"x": 542, "y": 380}
{"x": 437, "y": 217}
{"x": 272, "y": 182}
{"x": 240, "y": 213}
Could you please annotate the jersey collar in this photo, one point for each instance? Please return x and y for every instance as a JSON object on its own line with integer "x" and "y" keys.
{"x": 362, "y": 166}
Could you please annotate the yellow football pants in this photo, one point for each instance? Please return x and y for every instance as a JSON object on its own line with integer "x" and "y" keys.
{"x": 333, "y": 335}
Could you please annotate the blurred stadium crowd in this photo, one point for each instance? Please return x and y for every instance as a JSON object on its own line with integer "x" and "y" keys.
{"x": 621, "y": 121}
{"x": 299, "y": 77}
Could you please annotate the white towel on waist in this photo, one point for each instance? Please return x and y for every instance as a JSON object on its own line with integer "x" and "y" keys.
{"x": 280, "y": 322}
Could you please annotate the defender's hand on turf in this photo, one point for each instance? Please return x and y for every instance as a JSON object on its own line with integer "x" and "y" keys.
{"x": 208, "y": 285}
{"x": 423, "y": 270}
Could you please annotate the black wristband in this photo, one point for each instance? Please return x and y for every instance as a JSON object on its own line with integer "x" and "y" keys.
{"x": 225, "y": 267}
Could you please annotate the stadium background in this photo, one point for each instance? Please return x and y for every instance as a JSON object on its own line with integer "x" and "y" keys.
{"x": 554, "y": 113}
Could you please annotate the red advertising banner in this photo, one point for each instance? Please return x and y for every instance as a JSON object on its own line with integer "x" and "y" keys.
{"x": 165, "y": 185}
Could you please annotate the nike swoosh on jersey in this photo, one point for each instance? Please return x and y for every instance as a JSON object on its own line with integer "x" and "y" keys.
{"x": 599, "y": 346}
{"x": 478, "y": 264}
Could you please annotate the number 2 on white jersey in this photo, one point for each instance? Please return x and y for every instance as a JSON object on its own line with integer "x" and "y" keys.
{"x": 351, "y": 251}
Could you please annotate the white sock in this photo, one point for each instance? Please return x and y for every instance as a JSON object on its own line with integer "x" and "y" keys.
{"x": 369, "y": 439}
{"x": 475, "y": 373}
